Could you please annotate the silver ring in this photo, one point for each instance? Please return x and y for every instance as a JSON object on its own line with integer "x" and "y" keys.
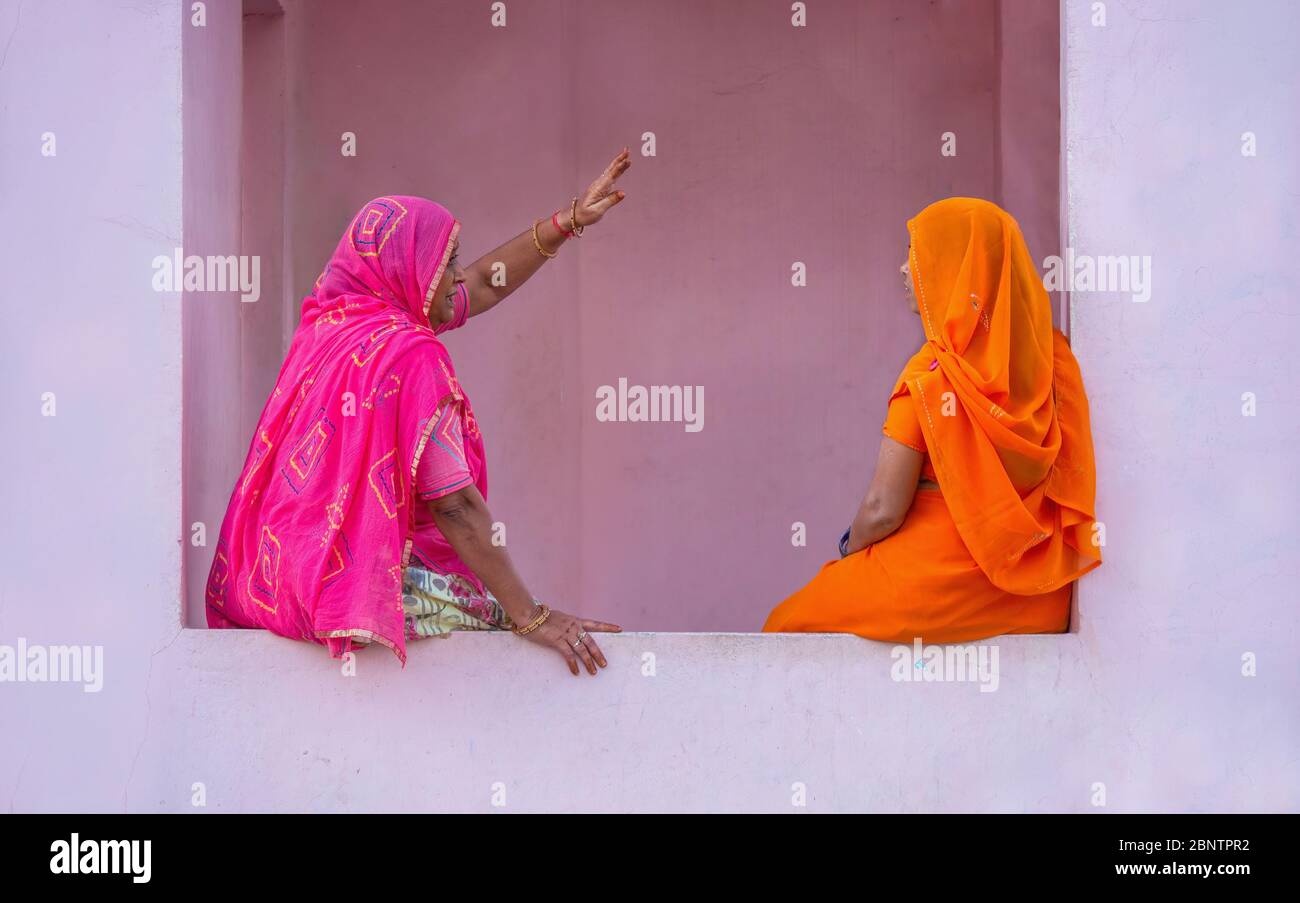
{"x": 577, "y": 644}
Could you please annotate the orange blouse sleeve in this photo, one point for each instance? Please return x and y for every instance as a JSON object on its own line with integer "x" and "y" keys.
{"x": 901, "y": 424}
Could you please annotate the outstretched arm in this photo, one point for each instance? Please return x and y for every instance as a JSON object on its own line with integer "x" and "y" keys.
{"x": 519, "y": 258}
{"x": 890, "y": 496}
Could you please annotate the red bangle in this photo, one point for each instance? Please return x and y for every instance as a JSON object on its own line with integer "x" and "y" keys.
{"x": 556, "y": 223}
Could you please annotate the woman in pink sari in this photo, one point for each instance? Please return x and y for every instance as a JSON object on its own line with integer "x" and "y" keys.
{"x": 360, "y": 514}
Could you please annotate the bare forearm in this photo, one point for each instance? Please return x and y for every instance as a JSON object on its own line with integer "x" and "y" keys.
{"x": 893, "y": 486}
{"x": 871, "y": 524}
{"x": 468, "y": 528}
{"x": 496, "y": 274}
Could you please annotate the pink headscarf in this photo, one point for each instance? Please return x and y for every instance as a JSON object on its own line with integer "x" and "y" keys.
{"x": 321, "y": 521}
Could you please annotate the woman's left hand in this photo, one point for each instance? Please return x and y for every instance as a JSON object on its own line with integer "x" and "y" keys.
{"x": 601, "y": 194}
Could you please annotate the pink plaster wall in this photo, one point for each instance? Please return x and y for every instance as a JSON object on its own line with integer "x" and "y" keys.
{"x": 1199, "y": 501}
{"x": 1147, "y": 698}
{"x": 774, "y": 144}
{"x": 217, "y": 422}
{"x": 1029, "y": 123}
{"x": 91, "y": 533}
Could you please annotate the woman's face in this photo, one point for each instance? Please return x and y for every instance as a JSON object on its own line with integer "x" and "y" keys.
{"x": 906, "y": 270}
{"x": 443, "y": 308}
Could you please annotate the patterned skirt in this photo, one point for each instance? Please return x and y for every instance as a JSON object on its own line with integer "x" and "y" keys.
{"x": 435, "y": 604}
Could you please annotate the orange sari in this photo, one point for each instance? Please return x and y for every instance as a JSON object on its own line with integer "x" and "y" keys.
{"x": 995, "y": 400}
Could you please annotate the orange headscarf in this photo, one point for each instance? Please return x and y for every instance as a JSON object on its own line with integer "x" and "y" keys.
{"x": 1003, "y": 411}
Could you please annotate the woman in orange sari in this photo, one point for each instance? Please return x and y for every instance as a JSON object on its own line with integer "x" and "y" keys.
{"x": 980, "y": 513}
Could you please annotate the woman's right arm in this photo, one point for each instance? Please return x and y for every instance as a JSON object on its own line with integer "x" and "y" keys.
{"x": 464, "y": 519}
{"x": 521, "y": 258}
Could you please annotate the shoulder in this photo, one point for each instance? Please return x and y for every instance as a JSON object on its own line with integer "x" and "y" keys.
{"x": 917, "y": 364}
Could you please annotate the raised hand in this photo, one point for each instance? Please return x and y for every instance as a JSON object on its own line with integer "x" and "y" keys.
{"x": 601, "y": 195}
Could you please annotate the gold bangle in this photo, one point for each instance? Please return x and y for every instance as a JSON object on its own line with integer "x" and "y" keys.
{"x": 535, "y": 622}
{"x": 573, "y": 221}
{"x": 537, "y": 242}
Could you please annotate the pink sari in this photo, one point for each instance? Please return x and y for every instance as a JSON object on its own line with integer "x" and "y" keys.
{"x": 323, "y": 518}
